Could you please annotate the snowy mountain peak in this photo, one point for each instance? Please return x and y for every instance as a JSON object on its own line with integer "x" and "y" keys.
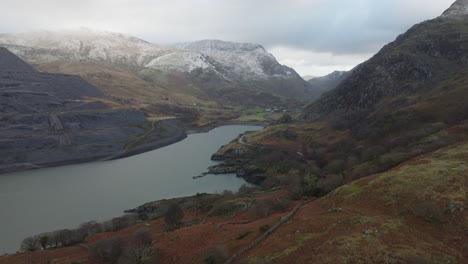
{"x": 83, "y": 44}
{"x": 244, "y": 60}
{"x": 459, "y": 8}
{"x": 219, "y": 45}
{"x": 186, "y": 61}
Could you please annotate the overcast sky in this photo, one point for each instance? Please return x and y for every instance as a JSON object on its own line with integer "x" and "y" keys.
{"x": 315, "y": 37}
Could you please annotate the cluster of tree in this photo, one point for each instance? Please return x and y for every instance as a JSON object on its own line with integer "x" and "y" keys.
{"x": 59, "y": 238}
{"x": 68, "y": 237}
{"x": 137, "y": 250}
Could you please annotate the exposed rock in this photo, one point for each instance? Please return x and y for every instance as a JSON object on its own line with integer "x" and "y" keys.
{"x": 53, "y": 119}
{"x": 459, "y": 8}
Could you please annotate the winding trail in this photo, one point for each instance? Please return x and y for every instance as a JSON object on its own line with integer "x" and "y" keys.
{"x": 142, "y": 137}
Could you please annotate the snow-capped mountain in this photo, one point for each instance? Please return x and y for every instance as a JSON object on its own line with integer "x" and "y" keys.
{"x": 242, "y": 61}
{"x": 459, "y": 8}
{"x": 217, "y": 68}
{"x": 82, "y": 45}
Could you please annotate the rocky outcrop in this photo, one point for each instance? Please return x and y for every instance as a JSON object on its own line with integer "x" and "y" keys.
{"x": 459, "y": 8}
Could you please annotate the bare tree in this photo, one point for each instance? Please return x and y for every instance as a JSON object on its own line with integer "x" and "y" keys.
{"x": 30, "y": 244}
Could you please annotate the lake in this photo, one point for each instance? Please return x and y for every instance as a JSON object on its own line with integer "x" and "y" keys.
{"x": 37, "y": 201}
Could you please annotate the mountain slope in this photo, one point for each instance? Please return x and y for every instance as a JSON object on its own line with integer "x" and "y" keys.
{"x": 54, "y": 119}
{"x": 231, "y": 71}
{"x": 459, "y": 8}
{"x": 225, "y": 72}
{"x": 82, "y": 45}
{"x": 420, "y": 77}
{"x": 328, "y": 82}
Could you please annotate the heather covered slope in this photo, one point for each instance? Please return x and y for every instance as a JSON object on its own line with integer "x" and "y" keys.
{"x": 415, "y": 213}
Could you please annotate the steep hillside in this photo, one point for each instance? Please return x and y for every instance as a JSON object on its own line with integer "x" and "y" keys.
{"x": 52, "y": 119}
{"x": 328, "y": 82}
{"x": 411, "y": 214}
{"x": 420, "y": 77}
{"x": 407, "y": 100}
{"x": 235, "y": 73}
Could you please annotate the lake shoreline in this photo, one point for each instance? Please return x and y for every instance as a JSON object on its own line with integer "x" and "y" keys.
{"x": 115, "y": 186}
{"x": 177, "y": 131}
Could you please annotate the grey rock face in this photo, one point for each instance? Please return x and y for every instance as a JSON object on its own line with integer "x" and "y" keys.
{"x": 53, "y": 119}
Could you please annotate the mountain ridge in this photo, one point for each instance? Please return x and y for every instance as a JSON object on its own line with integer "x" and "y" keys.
{"x": 206, "y": 68}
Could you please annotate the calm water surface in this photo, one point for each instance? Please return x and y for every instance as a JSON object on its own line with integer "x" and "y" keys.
{"x": 49, "y": 199}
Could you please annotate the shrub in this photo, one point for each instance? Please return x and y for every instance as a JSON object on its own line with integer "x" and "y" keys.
{"x": 392, "y": 159}
{"x": 216, "y": 256}
{"x": 309, "y": 185}
{"x": 243, "y": 235}
{"x": 224, "y": 208}
{"x": 429, "y": 211}
{"x": 108, "y": 250}
{"x": 372, "y": 153}
{"x": 284, "y": 119}
{"x": 246, "y": 190}
{"x": 328, "y": 183}
{"x": 267, "y": 207}
{"x": 335, "y": 166}
{"x": 264, "y": 228}
{"x": 174, "y": 215}
{"x": 119, "y": 223}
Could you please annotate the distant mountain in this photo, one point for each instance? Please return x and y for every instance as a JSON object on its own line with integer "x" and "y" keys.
{"x": 238, "y": 73}
{"x": 227, "y": 72}
{"x": 82, "y": 45}
{"x": 420, "y": 77}
{"x": 326, "y": 83}
{"x": 53, "y": 119}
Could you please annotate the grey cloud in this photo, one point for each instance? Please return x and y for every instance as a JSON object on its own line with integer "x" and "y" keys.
{"x": 341, "y": 27}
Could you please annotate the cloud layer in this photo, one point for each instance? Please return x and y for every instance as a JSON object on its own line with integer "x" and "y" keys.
{"x": 313, "y": 36}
